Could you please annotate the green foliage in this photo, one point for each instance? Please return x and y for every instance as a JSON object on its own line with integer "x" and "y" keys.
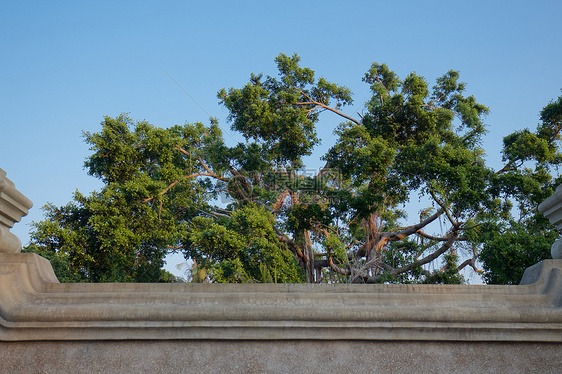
{"x": 510, "y": 248}
{"x": 242, "y": 248}
{"x": 265, "y": 110}
{"x": 283, "y": 223}
{"x": 449, "y": 274}
{"x": 122, "y": 233}
{"x": 60, "y": 261}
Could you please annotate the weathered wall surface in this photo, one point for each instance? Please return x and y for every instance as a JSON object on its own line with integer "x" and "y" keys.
{"x": 279, "y": 357}
{"x": 34, "y": 306}
{"x": 48, "y": 327}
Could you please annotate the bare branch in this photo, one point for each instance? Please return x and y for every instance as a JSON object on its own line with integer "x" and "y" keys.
{"x": 214, "y": 214}
{"x": 324, "y": 106}
{"x": 209, "y": 173}
{"x": 442, "y": 205}
{"x": 439, "y": 239}
{"x": 451, "y": 240}
{"x": 204, "y": 165}
{"x": 175, "y": 248}
{"x": 182, "y": 151}
{"x": 472, "y": 263}
{"x": 395, "y": 236}
{"x": 510, "y": 166}
{"x": 336, "y": 268}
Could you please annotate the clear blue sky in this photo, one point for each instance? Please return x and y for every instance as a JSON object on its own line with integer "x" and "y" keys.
{"x": 66, "y": 64}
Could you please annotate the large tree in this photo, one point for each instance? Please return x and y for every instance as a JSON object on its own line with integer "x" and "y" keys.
{"x": 348, "y": 221}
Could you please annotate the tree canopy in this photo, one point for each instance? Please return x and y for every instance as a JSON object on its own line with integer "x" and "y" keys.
{"x": 346, "y": 222}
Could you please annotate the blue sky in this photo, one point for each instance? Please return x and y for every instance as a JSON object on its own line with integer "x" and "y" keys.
{"x": 66, "y": 64}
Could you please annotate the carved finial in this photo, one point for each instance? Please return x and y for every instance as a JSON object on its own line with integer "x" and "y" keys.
{"x": 13, "y": 206}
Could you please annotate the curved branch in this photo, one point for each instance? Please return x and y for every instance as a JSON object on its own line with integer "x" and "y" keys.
{"x": 290, "y": 243}
{"x": 425, "y": 260}
{"x": 395, "y": 236}
{"x": 209, "y": 173}
{"x": 324, "y": 106}
{"x": 510, "y": 166}
{"x": 336, "y": 268}
{"x": 444, "y": 208}
{"x": 438, "y": 239}
{"x": 472, "y": 263}
{"x": 194, "y": 175}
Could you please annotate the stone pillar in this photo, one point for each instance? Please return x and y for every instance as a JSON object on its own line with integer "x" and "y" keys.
{"x": 13, "y": 206}
{"x": 551, "y": 208}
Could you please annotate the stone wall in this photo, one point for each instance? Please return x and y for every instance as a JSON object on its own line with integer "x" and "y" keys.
{"x": 278, "y": 356}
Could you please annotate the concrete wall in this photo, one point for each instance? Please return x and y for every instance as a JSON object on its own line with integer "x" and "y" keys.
{"x": 48, "y": 327}
{"x": 291, "y": 356}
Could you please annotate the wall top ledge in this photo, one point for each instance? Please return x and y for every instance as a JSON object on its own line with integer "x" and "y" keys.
{"x": 34, "y": 307}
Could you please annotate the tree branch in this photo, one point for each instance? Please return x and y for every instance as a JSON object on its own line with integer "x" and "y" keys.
{"x": 336, "y": 268}
{"x": 194, "y": 175}
{"x": 453, "y": 222}
{"x": 290, "y": 243}
{"x": 175, "y": 248}
{"x": 324, "y": 106}
{"x": 396, "y": 236}
{"x": 182, "y": 151}
{"x": 472, "y": 263}
{"x": 214, "y": 214}
{"x": 425, "y": 260}
{"x": 438, "y": 239}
